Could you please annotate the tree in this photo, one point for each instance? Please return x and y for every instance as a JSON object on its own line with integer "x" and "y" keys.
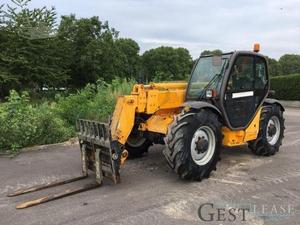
{"x": 95, "y": 51}
{"x": 274, "y": 67}
{"x": 89, "y": 43}
{"x": 30, "y": 55}
{"x": 213, "y": 52}
{"x": 166, "y": 63}
{"x": 290, "y": 63}
{"x": 129, "y": 59}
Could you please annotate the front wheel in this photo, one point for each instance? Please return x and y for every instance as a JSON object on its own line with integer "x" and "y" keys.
{"x": 271, "y": 131}
{"x": 137, "y": 145}
{"x": 193, "y": 144}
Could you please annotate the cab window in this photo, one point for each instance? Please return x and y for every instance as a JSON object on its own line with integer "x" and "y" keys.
{"x": 261, "y": 74}
{"x": 242, "y": 74}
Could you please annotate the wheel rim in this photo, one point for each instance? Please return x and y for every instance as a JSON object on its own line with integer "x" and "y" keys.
{"x": 203, "y": 145}
{"x": 273, "y": 130}
{"x": 135, "y": 141}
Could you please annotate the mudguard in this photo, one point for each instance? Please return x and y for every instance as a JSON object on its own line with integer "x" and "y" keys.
{"x": 270, "y": 101}
{"x": 200, "y": 105}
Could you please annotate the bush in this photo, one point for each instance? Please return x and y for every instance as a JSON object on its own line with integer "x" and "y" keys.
{"x": 18, "y": 122}
{"x": 74, "y": 106}
{"x": 95, "y": 102}
{"x": 23, "y": 123}
{"x": 105, "y": 99}
{"x": 51, "y": 127}
{"x": 286, "y": 87}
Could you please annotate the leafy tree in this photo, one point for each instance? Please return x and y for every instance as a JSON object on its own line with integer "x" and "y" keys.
{"x": 30, "y": 56}
{"x": 166, "y": 63}
{"x": 290, "y": 63}
{"x": 89, "y": 48}
{"x": 213, "y": 52}
{"x": 94, "y": 51}
{"x": 274, "y": 67}
{"x": 129, "y": 59}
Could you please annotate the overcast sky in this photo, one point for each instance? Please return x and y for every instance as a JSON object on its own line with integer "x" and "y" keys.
{"x": 196, "y": 25}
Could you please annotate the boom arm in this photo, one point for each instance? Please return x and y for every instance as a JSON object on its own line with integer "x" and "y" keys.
{"x": 159, "y": 100}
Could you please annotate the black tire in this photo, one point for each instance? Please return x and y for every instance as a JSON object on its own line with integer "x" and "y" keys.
{"x": 261, "y": 146}
{"x": 137, "y": 151}
{"x": 178, "y": 144}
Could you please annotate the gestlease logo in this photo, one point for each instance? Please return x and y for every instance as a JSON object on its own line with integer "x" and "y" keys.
{"x": 239, "y": 212}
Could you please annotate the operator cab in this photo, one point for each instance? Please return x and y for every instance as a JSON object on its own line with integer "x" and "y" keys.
{"x": 236, "y": 83}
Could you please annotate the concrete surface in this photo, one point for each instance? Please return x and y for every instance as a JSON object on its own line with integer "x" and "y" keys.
{"x": 152, "y": 194}
{"x": 295, "y": 104}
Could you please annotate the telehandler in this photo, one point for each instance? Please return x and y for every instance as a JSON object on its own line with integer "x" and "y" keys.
{"x": 225, "y": 103}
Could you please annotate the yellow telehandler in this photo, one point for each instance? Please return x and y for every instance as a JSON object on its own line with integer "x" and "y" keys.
{"x": 225, "y": 103}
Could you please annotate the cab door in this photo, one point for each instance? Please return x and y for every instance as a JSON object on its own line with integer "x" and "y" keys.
{"x": 245, "y": 90}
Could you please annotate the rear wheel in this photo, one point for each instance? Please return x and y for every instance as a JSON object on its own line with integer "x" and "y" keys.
{"x": 271, "y": 131}
{"x": 193, "y": 144}
{"x": 137, "y": 145}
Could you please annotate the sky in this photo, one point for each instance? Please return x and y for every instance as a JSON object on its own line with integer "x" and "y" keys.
{"x": 196, "y": 25}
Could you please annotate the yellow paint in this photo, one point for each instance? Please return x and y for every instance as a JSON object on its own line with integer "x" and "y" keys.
{"x": 232, "y": 138}
{"x": 240, "y": 137}
{"x": 253, "y": 129}
{"x": 123, "y": 118}
{"x": 161, "y": 100}
{"x": 168, "y": 86}
{"x": 159, "y": 121}
{"x": 156, "y": 96}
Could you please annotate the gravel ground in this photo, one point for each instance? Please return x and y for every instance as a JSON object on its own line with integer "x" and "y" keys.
{"x": 150, "y": 193}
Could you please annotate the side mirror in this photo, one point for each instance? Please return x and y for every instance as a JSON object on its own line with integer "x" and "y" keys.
{"x": 271, "y": 93}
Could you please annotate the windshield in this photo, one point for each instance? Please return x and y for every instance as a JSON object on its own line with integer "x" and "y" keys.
{"x": 208, "y": 73}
